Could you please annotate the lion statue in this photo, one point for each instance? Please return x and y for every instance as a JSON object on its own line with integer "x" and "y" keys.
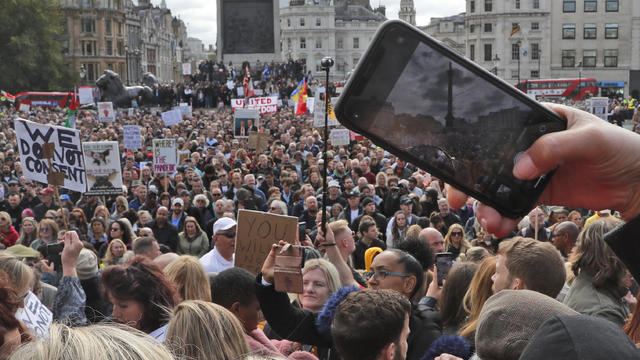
{"x": 113, "y": 90}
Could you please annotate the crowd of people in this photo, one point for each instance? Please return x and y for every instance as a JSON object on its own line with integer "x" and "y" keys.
{"x": 150, "y": 274}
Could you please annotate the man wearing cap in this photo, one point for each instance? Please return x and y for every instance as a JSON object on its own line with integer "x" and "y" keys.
{"x": 352, "y": 211}
{"x": 224, "y": 239}
{"x": 177, "y": 214}
{"x": 46, "y": 198}
{"x": 163, "y": 230}
{"x": 333, "y": 195}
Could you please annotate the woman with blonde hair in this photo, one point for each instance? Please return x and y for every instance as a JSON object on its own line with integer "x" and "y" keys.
{"x": 475, "y": 297}
{"x": 189, "y": 275}
{"x": 413, "y": 231}
{"x": 8, "y": 234}
{"x": 456, "y": 241}
{"x": 15, "y": 275}
{"x": 192, "y": 240}
{"x": 320, "y": 279}
{"x": 109, "y": 341}
{"x": 121, "y": 206}
{"x": 47, "y": 233}
{"x": 28, "y": 231}
{"x": 116, "y": 253}
{"x": 203, "y": 330}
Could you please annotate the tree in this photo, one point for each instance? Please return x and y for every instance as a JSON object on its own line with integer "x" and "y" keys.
{"x": 30, "y": 38}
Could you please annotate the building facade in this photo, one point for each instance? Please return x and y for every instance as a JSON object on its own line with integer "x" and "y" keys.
{"x": 450, "y": 30}
{"x": 407, "y": 12}
{"x": 340, "y": 29}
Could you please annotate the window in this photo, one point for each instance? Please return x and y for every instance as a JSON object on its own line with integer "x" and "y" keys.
{"x": 568, "y": 58}
{"x": 318, "y": 22}
{"x": 535, "y": 51}
{"x": 151, "y": 56}
{"x": 92, "y": 71}
{"x": 356, "y": 43}
{"x": 119, "y": 28}
{"x": 88, "y": 25}
{"x": 109, "y": 47}
{"x": 472, "y": 6}
{"x": 611, "y": 5}
{"x": 611, "y": 58}
{"x": 303, "y": 43}
{"x": 355, "y": 61}
{"x": 488, "y": 5}
{"x": 610, "y": 31}
{"x": 487, "y": 52}
{"x": 514, "y": 74}
{"x": 472, "y": 28}
{"x": 288, "y": 22}
{"x": 590, "y": 5}
{"x": 535, "y": 74}
{"x": 110, "y": 66}
{"x": 517, "y": 4}
{"x": 289, "y": 43}
{"x": 568, "y": 31}
{"x": 318, "y": 43}
{"x": 515, "y": 51}
{"x": 488, "y": 27}
{"x": 302, "y": 21}
{"x": 590, "y": 31}
{"x": 568, "y": 5}
{"x": 88, "y": 47}
{"x": 535, "y": 26}
{"x": 536, "y": 4}
{"x": 472, "y": 52}
{"x": 589, "y": 58}
{"x": 107, "y": 27}
{"x": 339, "y": 43}
{"x": 340, "y": 63}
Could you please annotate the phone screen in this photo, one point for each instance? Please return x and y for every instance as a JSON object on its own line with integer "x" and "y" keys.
{"x": 444, "y": 262}
{"x": 438, "y": 111}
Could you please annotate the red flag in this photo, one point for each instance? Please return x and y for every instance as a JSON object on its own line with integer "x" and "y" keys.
{"x": 301, "y": 107}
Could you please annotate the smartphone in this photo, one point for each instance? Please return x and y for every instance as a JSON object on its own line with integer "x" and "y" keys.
{"x": 444, "y": 262}
{"x": 430, "y": 106}
{"x": 302, "y": 231}
{"x": 53, "y": 253}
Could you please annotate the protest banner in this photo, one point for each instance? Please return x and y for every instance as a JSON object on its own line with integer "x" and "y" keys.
{"x": 35, "y": 316}
{"x": 85, "y": 94}
{"x": 102, "y": 163}
{"x": 258, "y": 141}
{"x": 132, "y": 138}
{"x": 165, "y": 158}
{"x": 266, "y": 105}
{"x": 245, "y": 120}
{"x": 339, "y": 137}
{"x": 172, "y": 117}
{"x": 67, "y": 153}
{"x": 24, "y": 107}
{"x": 256, "y": 232}
{"x": 186, "y": 68}
{"x": 183, "y": 156}
{"x": 599, "y": 106}
{"x": 319, "y": 110}
{"x": 105, "y": 112}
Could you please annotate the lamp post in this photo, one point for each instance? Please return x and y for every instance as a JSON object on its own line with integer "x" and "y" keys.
{"x": 539, "y": 60}
{"x": 327, "y": 63}
{"x": 137, "y": 53}
{"x": 83, "y": 73}
{"x": 126, "y": 61}
{"x": 579, "y": 79}
{"x": 519, "y": 43}
{"x": 495, "y": 60}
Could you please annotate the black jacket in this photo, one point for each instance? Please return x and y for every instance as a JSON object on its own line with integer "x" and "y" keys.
{"x": 167, "y": 235}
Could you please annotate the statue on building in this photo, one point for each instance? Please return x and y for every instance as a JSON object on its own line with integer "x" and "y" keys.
{"x": 112, "y": 89}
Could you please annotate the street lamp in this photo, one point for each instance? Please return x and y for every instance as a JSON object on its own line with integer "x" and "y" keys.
{"x": 519, "y": 43}
{"x": 579, "y": 79}
{"x": 495, "y": 60}
{"x": 539, "y": 60}
{"x": 126, "y": 61}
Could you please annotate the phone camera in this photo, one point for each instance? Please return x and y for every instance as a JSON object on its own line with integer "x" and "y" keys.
{"x": 542, "y": 129}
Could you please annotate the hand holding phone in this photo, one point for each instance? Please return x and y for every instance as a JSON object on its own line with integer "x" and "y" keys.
{"x": 444, "y": 262}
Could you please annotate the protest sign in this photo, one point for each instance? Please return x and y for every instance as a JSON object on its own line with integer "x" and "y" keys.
{"x": 165, "y": 158}
{"x": 599, "y": 106}
{"x": 310, "y": 104}
{"x": 183, "y": 156}
{"x": 245, "y": 120}
{"x": 339, "y": 137}
{"x": 172, "y": 117}
{"x": 266, "y": 104}
{"x": 186, "y": 110}
{"x": 255, "y": 234}
{"x": 102, "y": 162}
{"x": 35, "y": 316}
{"x": 105, "y": 112}
{"x": 67, "y": 155}
{"x": 186, "y": 68}
{"x": 24, "y": 107}
{"x": 319, "y": 111}
{"x": 258, "y": 92}
{"x": 258, "y": 141}
{"x": 130, "y": 112}
{"x": 230, "y": 85}
{"x": 132, "y": 138}
{"x": 85, "y": 94}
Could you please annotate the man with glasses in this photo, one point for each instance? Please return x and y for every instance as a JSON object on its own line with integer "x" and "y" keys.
{"x": 536, "y": 218}
{"x": 223, "y": 254}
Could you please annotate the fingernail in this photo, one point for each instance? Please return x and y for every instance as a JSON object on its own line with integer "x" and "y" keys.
{"x": 483, "y": 221}
{"x": 525, "y": 168}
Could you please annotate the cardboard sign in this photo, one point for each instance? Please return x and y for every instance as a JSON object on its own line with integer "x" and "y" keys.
{"x": 66, "y": 155}
{"x": 266, "y": 105}
{"x": 319, "y": 110}
{"x": 85, "y": 95}
{"x": 311, "y": 104}
{"x": 288, "y": 269}
{"x": 599, "y": 107}
{"x": 104, "y": 176}
{"x": 183, "y": 156}
{"x": 339, "y": 137}
{"x": 186, "y": 68}
{"x": 35, "y": 316}
{"x": 172, "y": 117}
{"x": 255, "y": 234}
{"x": 132, "y": 137}
{"x": 165, "y": 158}
{"x": 186, "y": 110}
{"x": 258, "y": 141}
{"x": 105, "y": 112}
{"x": 24, "y": 107}
{"x": 245, "y": 120}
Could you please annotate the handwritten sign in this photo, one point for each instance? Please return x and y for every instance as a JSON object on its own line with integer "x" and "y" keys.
{"x": 85, "y": 94}
{"x": 599, "y": 106}
{"x": 186, "y": 68}
{"x": 105, "y": 112}
{"x": 132, "y": 137}
{"x": 245, "y": 120}
{"x": 265, "y": 105}
{"x": 104, "y": 176}
{"x": 67, "y": 153}
{"x": 339, "y": 137}
{"x": 172, "y": 117}
{"x": 258, "y": 141}
{"x": 256, "y": 232}
{"x": 24, "y": 108}
{"x": 165, "y": 158}
{"x": 35, "y": 316}
{"x": 319, "y": 111}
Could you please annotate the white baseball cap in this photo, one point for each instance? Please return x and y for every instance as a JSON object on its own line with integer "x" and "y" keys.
{"x": 224, "y": 223}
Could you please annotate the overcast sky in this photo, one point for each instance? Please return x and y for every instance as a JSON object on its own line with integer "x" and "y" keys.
{"x": 200, "y": 15}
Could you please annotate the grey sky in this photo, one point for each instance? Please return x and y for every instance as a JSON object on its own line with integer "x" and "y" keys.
{"x": 200, "y": 15}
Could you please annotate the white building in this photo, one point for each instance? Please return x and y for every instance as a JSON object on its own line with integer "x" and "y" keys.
{"x": 450, "y": 30}
{"x": 342, "y": 30}
{"x": 407, "y": 11}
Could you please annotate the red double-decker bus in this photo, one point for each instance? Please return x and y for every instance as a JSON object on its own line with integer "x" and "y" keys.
{"x": 574, "y": 89}
{"x": 49, "y": 99}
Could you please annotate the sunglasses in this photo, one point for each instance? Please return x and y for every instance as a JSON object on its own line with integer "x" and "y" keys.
{"x": 229, "y": 234}
{"x": 456, "y": 233}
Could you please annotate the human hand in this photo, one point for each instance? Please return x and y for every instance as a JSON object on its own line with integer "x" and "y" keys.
{"x": 320, "y": 238}
{"x": 595, "y": 166}
{"x": 434, "y": 290}
{"x": 45, "y": 266}
{"x": 268, "y": 267}
{"x": 307, "y": 241}
{"x": 70, "y": 253}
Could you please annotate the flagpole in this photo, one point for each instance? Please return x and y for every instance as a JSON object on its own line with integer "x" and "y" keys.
{"x": 326, "y": 63}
